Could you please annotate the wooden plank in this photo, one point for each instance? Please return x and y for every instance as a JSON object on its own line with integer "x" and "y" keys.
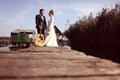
{"x": 51, "y": 63}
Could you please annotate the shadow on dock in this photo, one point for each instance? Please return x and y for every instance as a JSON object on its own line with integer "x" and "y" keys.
{"x": 102, "y": 55}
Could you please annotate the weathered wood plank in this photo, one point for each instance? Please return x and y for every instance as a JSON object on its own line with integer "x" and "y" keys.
{"x": 47, "y": 63}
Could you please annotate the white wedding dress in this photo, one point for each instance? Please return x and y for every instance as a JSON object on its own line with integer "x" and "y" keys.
{"x": 51, "y": 39}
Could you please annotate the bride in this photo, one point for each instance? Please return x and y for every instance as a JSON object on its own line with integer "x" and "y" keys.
{"x": 51, "y": 39}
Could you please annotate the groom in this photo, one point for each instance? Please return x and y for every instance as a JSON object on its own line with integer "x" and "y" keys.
{"x": 41, "y": 22}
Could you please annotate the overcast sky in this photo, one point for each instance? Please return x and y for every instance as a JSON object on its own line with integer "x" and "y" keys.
{"x": 17, "y": 13}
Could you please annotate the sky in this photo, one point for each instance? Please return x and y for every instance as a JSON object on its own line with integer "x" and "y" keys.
{"x": 20, "y": 14}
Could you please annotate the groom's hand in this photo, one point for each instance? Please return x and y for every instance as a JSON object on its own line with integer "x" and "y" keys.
{"x": 48, "y": 29}
{"x": 45, "y": 28}
{"x": 41, "y": 27}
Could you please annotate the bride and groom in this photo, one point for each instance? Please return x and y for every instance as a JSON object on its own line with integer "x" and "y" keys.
{"x": 47, "y": 31}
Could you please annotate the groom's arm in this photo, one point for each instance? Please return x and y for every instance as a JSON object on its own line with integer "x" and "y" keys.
{"x": 45, "y": 23}
{"x": 36, "y": 21}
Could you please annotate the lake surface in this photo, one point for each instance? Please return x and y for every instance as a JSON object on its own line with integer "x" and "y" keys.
{"x": 15, "y": 49}
{"x": 4, "y": 49}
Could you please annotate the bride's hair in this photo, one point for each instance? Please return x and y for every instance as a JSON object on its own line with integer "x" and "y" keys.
{"x": 51, "y": 12}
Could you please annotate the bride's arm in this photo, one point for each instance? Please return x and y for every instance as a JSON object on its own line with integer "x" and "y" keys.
{"x": 51, "y": 23}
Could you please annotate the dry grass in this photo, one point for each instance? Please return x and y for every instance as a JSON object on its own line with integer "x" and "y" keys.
{"x": 98, "y": 35}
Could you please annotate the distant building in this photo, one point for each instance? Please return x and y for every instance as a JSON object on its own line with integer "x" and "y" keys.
{"x": 58, "y": 34}
{"x": 4, "y": 41}
{"x": 62, "y": 40}
{"x": 57, "y": 31}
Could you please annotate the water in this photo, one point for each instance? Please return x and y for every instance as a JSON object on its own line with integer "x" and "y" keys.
{"x": 15, "y": 49}
{"x": 4, "y": 49}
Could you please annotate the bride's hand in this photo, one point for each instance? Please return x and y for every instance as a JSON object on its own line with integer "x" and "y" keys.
{"x": 48, "y": 29}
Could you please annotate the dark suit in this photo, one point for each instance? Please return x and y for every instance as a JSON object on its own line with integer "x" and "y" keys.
{"x": 40, "y": 22}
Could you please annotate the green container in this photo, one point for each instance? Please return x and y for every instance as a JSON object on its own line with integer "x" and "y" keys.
{"x": 19, "y": 37}
{"x": 15, "y": 37}
{"x": 22, "y": 37}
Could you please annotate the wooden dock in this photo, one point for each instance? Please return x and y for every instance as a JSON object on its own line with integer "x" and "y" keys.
{"x": 49, "y": 63}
